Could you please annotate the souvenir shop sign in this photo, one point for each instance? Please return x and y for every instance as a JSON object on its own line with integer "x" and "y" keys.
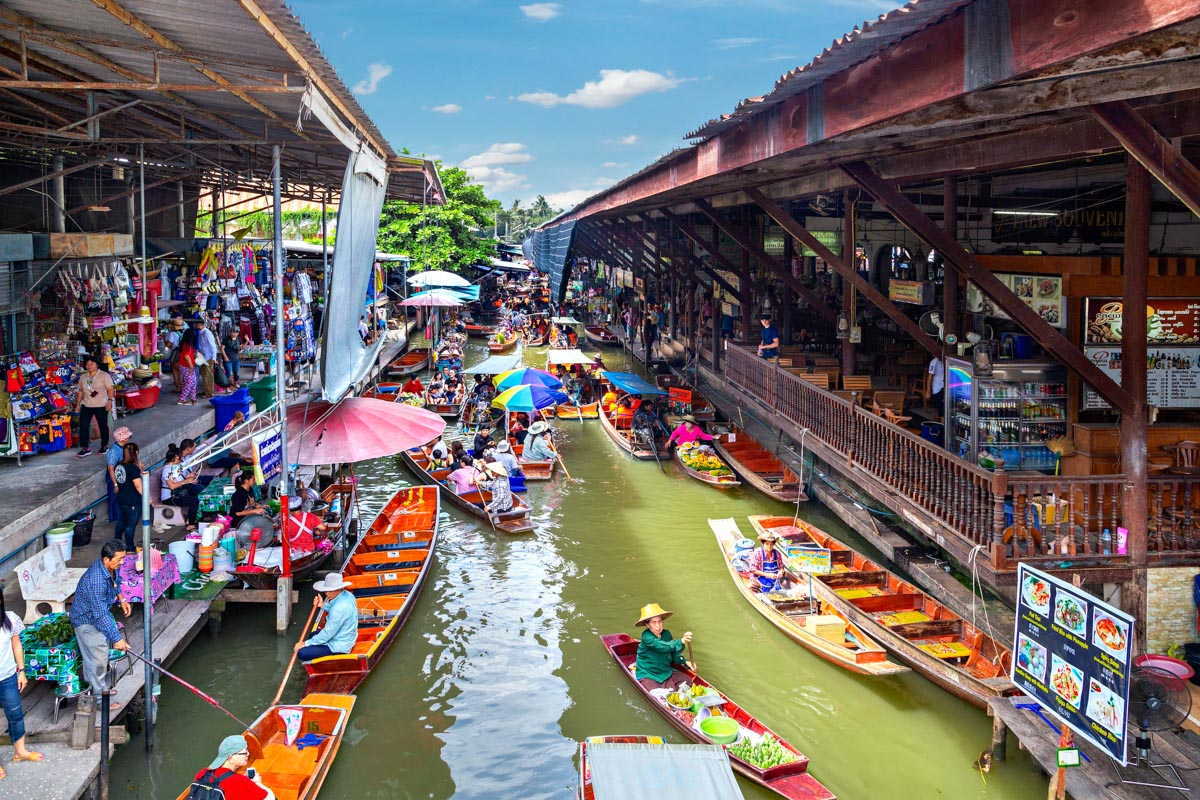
{"x": 1169, "y": 320}
{"x": 831, "y": 239}
{"x": 1100, "y": 224}
{"x": 1072, "y": 655}
{"x": 916, "y": 292}
{"x": 269, "y": 452}
{"x": 1042, "y": 293}
{"x": 1172, "y": 375}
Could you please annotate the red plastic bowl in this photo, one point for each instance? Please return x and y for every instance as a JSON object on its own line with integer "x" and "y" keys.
{"x": 1172, "y": 665}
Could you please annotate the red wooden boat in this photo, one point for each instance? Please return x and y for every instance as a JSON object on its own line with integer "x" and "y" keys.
{"x": 600, "y": 335}
{"x": 758, "y": 467}
{"x": 386, "y": 569}
{"x": 480, "y": 331}
{"x": 411, "y": 362}
{"x": 788, "y": 780}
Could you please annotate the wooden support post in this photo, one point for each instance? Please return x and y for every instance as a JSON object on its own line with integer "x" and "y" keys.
{"x": 999, "y": 738}
{"x": 689, "y": 232}
{"x": 283, "y": 604}
{"x": 83, "y": 729}
{"x": 1135, "y": 491}
{"x": 849, "y": 235}
{"x": 950, "y": 312}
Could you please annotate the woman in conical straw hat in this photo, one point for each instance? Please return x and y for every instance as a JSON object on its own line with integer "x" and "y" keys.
{"x": 659, "y": 653}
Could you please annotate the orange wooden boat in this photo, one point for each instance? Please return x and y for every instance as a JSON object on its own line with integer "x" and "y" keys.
{"x": 910, "y": 624}
{"x": 411, "y": 362}
{"x": 513, "y": 521}
{"x": 503, "y": 347}
{"x": 386, "y": 569}
{"x": 477, "y": 330}
{"x": 758, "y": 467}
{"x": 586, "y": 411}
{"x": 290, "y": 772}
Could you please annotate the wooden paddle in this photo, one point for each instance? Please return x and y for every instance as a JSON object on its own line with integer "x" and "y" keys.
{"x": 288, "y": 672}
{"x": 691, "y": 657}
{"x": 561, "y": 463}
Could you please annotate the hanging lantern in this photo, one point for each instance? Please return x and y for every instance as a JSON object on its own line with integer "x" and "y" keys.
{"x": 843, "y": 325}
{"x": 982, "y": 358}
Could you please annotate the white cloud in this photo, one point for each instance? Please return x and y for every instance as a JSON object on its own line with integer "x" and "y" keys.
{"x": 498, "y": 179}
{"x": 541, "y": 12}
{"x": 485, "y": 97}
{"x": 616, "y": 86}
{"x": 630, "y": 139}
{"x": 346, "y": 33}
{"x": 735, "y": 41}
{"x": 499, "y": 154}
{"x": 569, "y": 199}
{"x": 615, "y": 164}
{"x": 448, "y": 108}
{"x": 375, "y": 73}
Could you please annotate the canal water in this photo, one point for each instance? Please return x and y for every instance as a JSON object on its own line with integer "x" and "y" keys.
{"x": 500, "y": 670}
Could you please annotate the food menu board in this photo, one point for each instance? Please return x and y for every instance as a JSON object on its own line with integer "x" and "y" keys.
{"x": 1042, "y": 293}
{"x": 1169, "y": 320}
{"x": 1073, "y": 655}
{"x": 1172, "y": 375}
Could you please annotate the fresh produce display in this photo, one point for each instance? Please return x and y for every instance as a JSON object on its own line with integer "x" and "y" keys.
{"x": 54, "y": 631}
{"x": 702, "y": 459}
{"x": 679, "y": 700}
{"x": 764, "y": 755}
{"x": 411, "y": 399}
{"x": 698, "y": 691}
{"x": 687, "y": 717}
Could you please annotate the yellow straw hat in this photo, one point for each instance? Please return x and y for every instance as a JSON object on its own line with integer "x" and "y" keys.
{"x": 651, "y": 611}
{"x": 768, "y": 536}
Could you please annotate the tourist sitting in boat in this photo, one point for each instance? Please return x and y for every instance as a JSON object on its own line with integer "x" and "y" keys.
{"x": 413, "y": 386}
{"x": 494, "y": 478}
{"x": 504, "y": 456}
{"x": 341, "y": 620}
{"x": 438, "y": 455}
{"x": 623, "y": 416}
{"x": 572, "y": 338}
{"x": 688, "y": 431}
{"x": 482, "y": 387}
{"x": 766, "y": 563}
{"x": 223, "y": 777}
{"x": 462, "y": 478}
{"x": 659, "y": 653}
{"x": 516, "y": 429}
{"x": 460, "y": 394}
{"x": 610, "y": 399}
{"x": 457, "y": 454}
{"x": 538, "y": 445}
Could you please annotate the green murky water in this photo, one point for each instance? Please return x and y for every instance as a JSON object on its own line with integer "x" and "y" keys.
{"x": 500, "y": 670}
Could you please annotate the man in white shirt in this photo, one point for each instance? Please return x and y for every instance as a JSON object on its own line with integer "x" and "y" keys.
{"x": 935, "y": 385}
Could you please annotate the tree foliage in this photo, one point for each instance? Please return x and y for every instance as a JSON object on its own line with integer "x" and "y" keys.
{"x": 514, "y": 223}
{"x": 453, "y": 237}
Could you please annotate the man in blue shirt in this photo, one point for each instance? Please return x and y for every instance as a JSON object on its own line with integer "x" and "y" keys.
{"x": 206, "y": 345}
{"x": 769, "y": 344}
{"x": 341, "y": 620}
{"x": 91, "y": 615}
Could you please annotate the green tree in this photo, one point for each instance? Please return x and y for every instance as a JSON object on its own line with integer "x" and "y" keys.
{"x": 454, "y": 236}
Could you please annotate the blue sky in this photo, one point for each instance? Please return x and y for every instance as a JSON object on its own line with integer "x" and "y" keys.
{"x": 563, "y": 99}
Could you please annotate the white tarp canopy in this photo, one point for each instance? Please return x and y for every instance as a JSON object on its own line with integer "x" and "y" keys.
{"x": 494, "y": 365}
{"x": 658, "y": 771}
{"x": 568, "y": 357}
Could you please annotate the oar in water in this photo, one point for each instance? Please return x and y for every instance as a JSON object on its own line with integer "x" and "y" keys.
{"x": 287, "y": 672}
{"x": 561, "y": 463}
{"x": 202, "y": 695}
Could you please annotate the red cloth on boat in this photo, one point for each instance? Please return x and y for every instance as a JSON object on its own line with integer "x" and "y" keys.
{"x": 300, "y": 531}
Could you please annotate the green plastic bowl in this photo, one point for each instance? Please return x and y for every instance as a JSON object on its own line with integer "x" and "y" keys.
{"x": 719, "y": 730}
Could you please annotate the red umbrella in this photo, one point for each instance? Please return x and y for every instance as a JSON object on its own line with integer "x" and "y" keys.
{"x": 356, "y": 429}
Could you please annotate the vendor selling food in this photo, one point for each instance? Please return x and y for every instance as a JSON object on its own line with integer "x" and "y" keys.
{"x": 766, "y": 563}
{"x": 243, "y": 503}
{"x": 688, "y": 431}
{"x": 658, "y": 653}
{"x": 341, "y": 620}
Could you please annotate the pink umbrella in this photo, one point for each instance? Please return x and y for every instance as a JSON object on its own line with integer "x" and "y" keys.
{"x": 434, "y": 298}
{"x": 356, "y": 429}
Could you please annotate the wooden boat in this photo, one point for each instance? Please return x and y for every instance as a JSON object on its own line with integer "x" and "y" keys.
{"x": 513, "y": 521}
{"x": 910, "y": 624}
{"x": 390, "y": 392}
{"x": 586, "y": 411}
{"x": 534, "y": 340}
{"x": 662, "y": 765}
{"x": 684, "y": 400}
{"x": 717, "y": 481}
{"x": 290, "y": 772}
{"x": 788, "y": 780}
{"x": 628, "y": 441}
{"x": 479, "y": 330}
{"x": 450, "y": 411}
{"x": 503, "y": 347}
{"x": 326, "y": 541}
{"x": 813, "y": 623}
{"x": 386, "y": 570}
{"x": 758, "y": 467}
{"x": 538, "y": 470}
{"x": 600, "y": 335}
{"x": 585, "y": 790}
{"x": 411, "y": 362}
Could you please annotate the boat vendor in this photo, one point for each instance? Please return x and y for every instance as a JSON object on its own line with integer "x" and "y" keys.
{"x": 243, "y": 503}
{"x": 659, "y": 653}
{"x": 645, "y": 418}
{"x": 494, "y": 478}
{"x": 766, "y": 563}
{"x": 91, "y": 616}
{"x": 413, "y": 386}
{"x": 504, "y": 456}
{"x": 538, "y": 445}
{"x": 688, "y": 431}
{"x": 223, "y": 777}
{"x": 340, "y": 631}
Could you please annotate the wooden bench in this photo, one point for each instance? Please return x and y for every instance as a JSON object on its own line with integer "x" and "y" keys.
{"x": 820, "y": 380}
{"x": 46, "y": 583}
{"x": 861, "y": 384}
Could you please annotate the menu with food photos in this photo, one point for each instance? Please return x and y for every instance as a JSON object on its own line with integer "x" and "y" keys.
{"x": 1073, "y": 654}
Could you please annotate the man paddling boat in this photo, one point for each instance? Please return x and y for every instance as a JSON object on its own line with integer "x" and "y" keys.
{"x": 341, "y": 620}
{"x": 659, "y": 653}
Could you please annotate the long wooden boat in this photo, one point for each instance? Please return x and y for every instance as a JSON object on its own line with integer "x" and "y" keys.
{"x": 386, "y": 570}
{"x": 758, "y": 467}
{"x": 290, "y": 771}
{"x": 411, "y": 362}
{"x": 538, "y": 470}
{"x": 479, "y": 330}
{"x": 788, "y": 780}
{"x": 601, "y": 335}
{"x": 537, "y": 341}
{"x": 917, "y": 629}
{"x": 585, "y": 791}
{"x": 662, "y": 765}
{"x": 586, "y": 411}
{"x": 503, "y": 347}
{"x": 513, "y": 521}
{"x": 697, "y": 405}
{"x": 450, "y": 411}
{"x": 812, "y": 623}
{"x": 627, "y": 440}
{"x": 725, "y": 480}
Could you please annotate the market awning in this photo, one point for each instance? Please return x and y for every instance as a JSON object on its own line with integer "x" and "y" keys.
{"x": 494, "y": 365}
{"x": 565, "y": 321}
{"x": 655, "y": 771}
{"x": 563, "y": 358}
{"x": 548, "y": 249}
{"x": 630, "y": 384}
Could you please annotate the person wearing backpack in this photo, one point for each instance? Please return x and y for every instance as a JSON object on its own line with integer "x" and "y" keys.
{"x": 221, "y": 780}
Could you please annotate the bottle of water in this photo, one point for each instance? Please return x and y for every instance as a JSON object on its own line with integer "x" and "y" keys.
{"x": 335, "y": 508}
{"x": 1106, "y": 542}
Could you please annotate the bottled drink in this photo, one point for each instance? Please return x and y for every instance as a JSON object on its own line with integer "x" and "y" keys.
{"x": 1106, "y": 542}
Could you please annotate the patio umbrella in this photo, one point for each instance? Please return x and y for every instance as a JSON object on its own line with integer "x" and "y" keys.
{"x": 437, "y": 277}
{"x": 356, "y": 429}
{"x": 529, "y": 399}
{"x": 458, "y": 293}
{"x": 434, "y": 298}
{"x": 526, "y": 376}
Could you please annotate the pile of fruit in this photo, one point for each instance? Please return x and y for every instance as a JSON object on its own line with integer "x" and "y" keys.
{"x": 764, "y": 755}
{"x": 679, "y": 700}
{"x": 411, "y": 399}
{"x": 699, "y": 458}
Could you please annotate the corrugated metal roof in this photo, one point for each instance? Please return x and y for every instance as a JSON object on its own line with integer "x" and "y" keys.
{"x": 872, "y": 37}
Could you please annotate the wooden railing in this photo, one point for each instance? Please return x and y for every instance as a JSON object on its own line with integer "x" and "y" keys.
{"x": 1040, "y": 518}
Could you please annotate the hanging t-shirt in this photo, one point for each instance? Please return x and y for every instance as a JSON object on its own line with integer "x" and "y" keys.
{"x": 127, "y": 493}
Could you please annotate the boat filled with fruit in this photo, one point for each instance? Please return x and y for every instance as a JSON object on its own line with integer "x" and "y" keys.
{"x": 699, "y": 461}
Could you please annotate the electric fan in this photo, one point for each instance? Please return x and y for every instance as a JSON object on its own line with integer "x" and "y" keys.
{"x": 1158, "y": 701}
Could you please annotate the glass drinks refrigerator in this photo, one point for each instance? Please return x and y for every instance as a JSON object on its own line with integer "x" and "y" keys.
{"x": 1008, "y": 416}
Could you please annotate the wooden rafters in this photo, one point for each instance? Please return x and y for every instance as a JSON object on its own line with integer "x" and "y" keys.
{"x": 1152, "y": 151}
{"x": 690, "y": 234}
